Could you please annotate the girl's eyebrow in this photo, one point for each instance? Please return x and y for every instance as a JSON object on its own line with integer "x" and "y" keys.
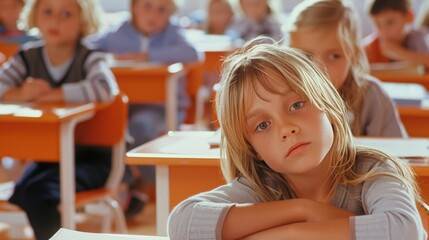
{"x": 251, "y": 114}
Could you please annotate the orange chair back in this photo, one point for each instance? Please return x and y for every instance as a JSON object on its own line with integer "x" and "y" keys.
{"x": 194, "y": 79}
{"x": 8, "y": 49}
{"x": 112, "y": 116}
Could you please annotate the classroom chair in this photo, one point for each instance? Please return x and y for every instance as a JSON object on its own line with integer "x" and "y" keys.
{"x": 157, "y": 84}
{"x": 424, "y": 214}
{"x": 107, "y": 128}
{"x": 8, "y": 49}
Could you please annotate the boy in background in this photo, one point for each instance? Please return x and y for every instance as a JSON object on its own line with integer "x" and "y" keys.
{"x": 394, "y": 38}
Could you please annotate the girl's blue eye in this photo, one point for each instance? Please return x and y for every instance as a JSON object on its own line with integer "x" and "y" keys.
{"x": 296, "y": 106}
{"x": 262, "y": 126}
{"x": 66, "y": 14}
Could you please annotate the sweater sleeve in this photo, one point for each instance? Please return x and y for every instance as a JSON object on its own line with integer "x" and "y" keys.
{"x": 391, "y": 212}
{"x": 173, "y": 40}
{"x": 98, "y": 86}
{"x": 379, "y": 116}
{"x": 12, "y": 74}
{"x": 202, "y": 216}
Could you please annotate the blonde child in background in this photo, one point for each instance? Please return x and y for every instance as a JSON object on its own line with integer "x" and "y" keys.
{"x": 9, "y": 15}
{"x": 328, "y": 31}
{"x": 148, "y": 36}
{"x": 394, "y": 38}
{"x": 58, "y": 69}
{"x": 219, "y": 16}
{"x": 258, "y": 18}
{"x": 292, "y": 167}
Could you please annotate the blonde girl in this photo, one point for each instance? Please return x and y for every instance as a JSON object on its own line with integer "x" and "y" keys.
{"x": 292, "y": 168}
{"x": 219, "y": 16}
{"x": 58, "y": 69}
{"x": 257, "y": 18}
{"x": 328, "y": 31}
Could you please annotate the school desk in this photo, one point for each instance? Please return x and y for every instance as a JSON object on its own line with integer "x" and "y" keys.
{"x": 420, "y": 79}
{"x": 152, "y": 83}
{"x": 186, "y": 165}
{"x": 415, "y": 120}
{"x": 45, "y": 132}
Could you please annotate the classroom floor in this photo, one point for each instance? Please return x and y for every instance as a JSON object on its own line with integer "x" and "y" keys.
{"x": 142, "y": 224}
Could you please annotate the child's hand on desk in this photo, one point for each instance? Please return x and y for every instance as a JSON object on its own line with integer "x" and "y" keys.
{"x": 393, "y": 50}
{"x": 140, "y": 57}
{"x": 33, "y": 88}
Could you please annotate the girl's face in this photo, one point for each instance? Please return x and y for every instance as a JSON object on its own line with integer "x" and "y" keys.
{"x": 255, "y": 10}
{"x": 324, "y": 45}
{"x": 151, "y": 16}
{"x": 59, "y": 21}
{"x": 287, "y": 132}
{"x": 219, "y": 16}
{"x": 9, "y": 13}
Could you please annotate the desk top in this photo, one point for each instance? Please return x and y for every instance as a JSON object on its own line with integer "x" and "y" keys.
{"x": 177, "y": 148}
{"x": 49, "y": 112}
{"x": 192, "y": 148}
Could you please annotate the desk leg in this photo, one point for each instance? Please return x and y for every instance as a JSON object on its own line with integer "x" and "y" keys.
{"x": 162, "y": 199}
{"x": 67, "y": 171}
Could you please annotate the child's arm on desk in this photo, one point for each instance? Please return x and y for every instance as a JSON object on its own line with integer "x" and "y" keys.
{"x": 400, "y": 53}
{"x": 267, "y": 220}
{"x": 30, "y": 90}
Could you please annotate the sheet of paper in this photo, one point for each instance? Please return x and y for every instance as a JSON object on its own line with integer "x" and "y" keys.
{"x": 400, "y": 147}
{"x": 66, "y": 234}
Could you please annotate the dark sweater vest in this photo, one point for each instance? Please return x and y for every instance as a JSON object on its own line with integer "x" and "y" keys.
{"x": 36, "y": 66}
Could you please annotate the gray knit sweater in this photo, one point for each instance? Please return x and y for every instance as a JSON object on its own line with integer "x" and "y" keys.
{"x": 384, "y": 209}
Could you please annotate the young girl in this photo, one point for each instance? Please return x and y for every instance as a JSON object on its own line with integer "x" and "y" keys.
{"x": 58, "y": 69}
{"x": 328, "y": 31}
{"x": 257, "y": 19}
{"x": 219, "y": 16}
{"x": 149, "y": 36}
{"x": 292, "y": 167}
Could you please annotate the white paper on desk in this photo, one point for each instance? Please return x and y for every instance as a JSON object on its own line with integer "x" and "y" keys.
{"x": 191, "y": 147}
{"x": 400, "y": 147}
{"x": 66, "y": 234}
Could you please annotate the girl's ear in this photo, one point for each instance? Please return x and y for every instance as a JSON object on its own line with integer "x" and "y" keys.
{"x": 409, "y": 16}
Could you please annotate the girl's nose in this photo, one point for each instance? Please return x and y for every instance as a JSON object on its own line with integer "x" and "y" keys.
{"x": 289, "y": 130}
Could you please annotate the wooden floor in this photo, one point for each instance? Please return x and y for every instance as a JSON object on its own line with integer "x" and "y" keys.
{"x": 142, "y": 224}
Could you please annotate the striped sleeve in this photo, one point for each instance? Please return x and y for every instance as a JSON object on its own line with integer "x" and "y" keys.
{"x": 98, "y": 86}
{"x": 12, "y": 74}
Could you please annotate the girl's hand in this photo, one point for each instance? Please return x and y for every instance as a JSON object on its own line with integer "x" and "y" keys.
{"x": 33, "y": 88}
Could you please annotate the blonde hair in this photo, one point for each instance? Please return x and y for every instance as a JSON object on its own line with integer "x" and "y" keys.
{"x": 90, "y": 15}
{"x": 338, "y": 13}
{"x": 256, "y": 63}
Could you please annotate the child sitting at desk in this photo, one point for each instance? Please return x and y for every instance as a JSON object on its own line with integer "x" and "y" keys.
{"x": 335, "y": 42}
{"x": 394, "y": 38}
{"x": 58, "y": 69}
{"x": 258, "y": 18}
{"x": 148, "y": 36}
{"x": 293, "y": 169}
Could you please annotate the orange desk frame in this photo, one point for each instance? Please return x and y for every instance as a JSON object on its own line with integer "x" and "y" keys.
{"x": 46, "y": 133}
